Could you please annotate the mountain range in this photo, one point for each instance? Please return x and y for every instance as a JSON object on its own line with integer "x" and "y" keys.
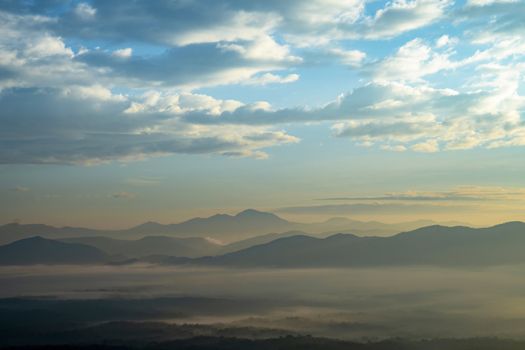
{"x": 38, "y": 250}
{"x": 221, "y": 227}
{"x": 151, "y": 245}
{"x": 432, "y": 245}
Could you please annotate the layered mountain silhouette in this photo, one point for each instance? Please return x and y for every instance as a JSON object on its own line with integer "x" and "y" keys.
{"x": 152, "y": 245}
{"x": 432, "y": 245}
{"x": 14, "y": 232}
{"x": 222, "y": 227}
{"x": 38, "y": 250}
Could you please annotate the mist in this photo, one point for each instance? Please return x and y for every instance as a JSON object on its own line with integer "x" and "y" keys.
{"x": 355, "y": 303}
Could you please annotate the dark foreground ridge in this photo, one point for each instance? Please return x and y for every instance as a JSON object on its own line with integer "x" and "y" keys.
{"x": 296, "y": 343}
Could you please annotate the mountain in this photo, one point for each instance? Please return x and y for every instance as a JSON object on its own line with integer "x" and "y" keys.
{"x": 432, "y": 245}
{"x": 151, "y": 245}
{"x": 221, "y": 227}
{"x": 362, "y": 228}
{"x": 14, "y": 232}
{"x": 258, "y": 240}
{"x": 38, "y": 250}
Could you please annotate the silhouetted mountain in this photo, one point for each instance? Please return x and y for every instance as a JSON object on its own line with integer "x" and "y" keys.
{"x": 222, "y": 227}
{"x": 432, "y": 245}
{"x": 152, "y": 245}
{"x": 258, "y": 240}
{"x": 38, "y": 250}
{"x": 14, "y": 232}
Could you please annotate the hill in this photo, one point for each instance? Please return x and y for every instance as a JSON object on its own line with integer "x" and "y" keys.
{"x": 432, "y": 245}
{"x": 38, "y": 250}
{"x": 151, "y": 245}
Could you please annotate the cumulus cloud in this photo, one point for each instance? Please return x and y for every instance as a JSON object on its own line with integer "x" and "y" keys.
{"x": 400, "y": 116}
{"x": 412, "y": 62}
{"x": 196, "y": 44}
{"x": 83, "y": 132}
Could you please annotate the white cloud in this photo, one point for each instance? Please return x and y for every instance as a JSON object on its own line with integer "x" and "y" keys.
{"x": 93, "y": 92}
{"x": 400, "y": 16}
{"x": 123, "y": 53}
{"x": 488, "y": 2}
{"x": 46, "y": 45}
{"x": 429, "y": 146}
{"x": 85, "y": 11}
{"x": 445, "y": 40}
{"x": 352, "y": 58}
{"x": 412, "y": 61}
{"x": 269, "y": 78}
{"x": 262, "y": 48}
{"x": 242, "y": 25}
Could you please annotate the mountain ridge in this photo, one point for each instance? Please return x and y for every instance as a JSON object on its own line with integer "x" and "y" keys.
{"x": 431, "y": 245}
{"x": 38, "y": 250}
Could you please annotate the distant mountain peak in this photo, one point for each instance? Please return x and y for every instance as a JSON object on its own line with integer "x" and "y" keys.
{"x": 35, "y": 239}
{"x": 260, "y": 216}
{"x": 253, "y": 212}
{"x": 149, "y": 224}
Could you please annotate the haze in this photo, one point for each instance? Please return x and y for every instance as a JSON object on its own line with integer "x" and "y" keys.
{"x": 264, "y": 174}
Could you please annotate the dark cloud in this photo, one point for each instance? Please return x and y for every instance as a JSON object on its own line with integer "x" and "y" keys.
{"x": 193, "y": 65}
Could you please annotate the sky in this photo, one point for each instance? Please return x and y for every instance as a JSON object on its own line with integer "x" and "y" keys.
{"x": 113, "y": 113}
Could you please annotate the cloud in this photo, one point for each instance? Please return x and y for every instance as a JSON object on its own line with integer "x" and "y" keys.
{"x": 123, "y": 53}
{"x": 461, "y": 193}
{"x": 370, "y": 208}
{"x": 188, "y": 23}
{"x": 455, "y": 199}
{"x": 398, "y": 116}
{"x": 85, "y": 11}
{"x": 20, "y": 189}
{"x": 404, "y": 15}
{"x": 429, "y": 146}
{"x": 144, "y": 180}
{"x": 412, "y": 61}
{"x": 84, "y": 131}
{"x": 190, "y": 66}
{"x": 194, "y": 44}
{"x": 269, "y": 78}
{"x": 493, "y": 20}
{"x": 123, "y": 195}
{"x": 196, "y": 22}
{"x": 31, "y": 56}
{"x": 445, "y": 40}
